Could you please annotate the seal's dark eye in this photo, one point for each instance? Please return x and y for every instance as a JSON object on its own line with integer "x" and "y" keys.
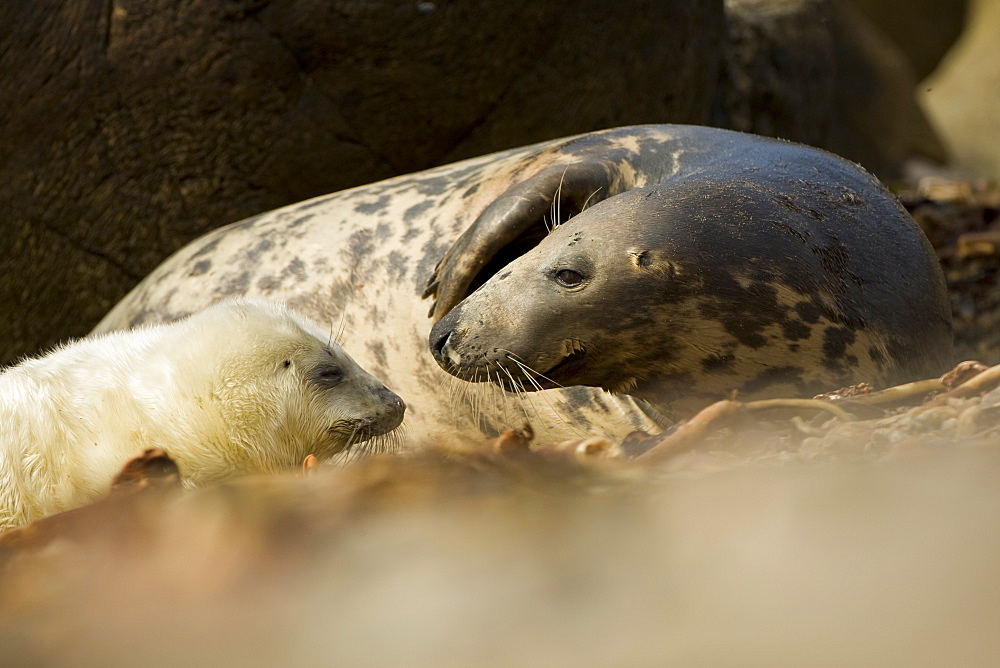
{"x": 569, "y": 278}
{"x": 287, "y": 363}
{"x": 327, "y": 375}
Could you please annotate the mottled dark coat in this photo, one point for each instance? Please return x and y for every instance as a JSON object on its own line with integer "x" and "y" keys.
{"x": 711, "y": 262}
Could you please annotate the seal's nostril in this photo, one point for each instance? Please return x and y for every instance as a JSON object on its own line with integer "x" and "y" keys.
{"x": 439, "y": 345}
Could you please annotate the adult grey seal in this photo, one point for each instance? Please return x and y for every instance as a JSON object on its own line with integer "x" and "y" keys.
{"x": 360, "y": 259}
{"x": 710, "y": 263}
{"x": 242, "y": 387}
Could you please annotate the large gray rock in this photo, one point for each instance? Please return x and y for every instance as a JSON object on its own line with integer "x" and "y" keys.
{"x": 132, "y": 126}
{"x": 818, "y": 72}
{"x": 923, "y": 29}
{"x": 962, "y": 97}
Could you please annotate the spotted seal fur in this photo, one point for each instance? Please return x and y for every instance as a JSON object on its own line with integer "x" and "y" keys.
{"x": 361, "y": 258}
{"x": 723, "y": 262}
{"x": 242, "y": 387}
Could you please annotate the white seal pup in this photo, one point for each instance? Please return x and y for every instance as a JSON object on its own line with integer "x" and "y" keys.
{"x": 244, "y": 386}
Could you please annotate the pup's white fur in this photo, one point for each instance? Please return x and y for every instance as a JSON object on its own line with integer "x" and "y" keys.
{"x": 244, "y": 386}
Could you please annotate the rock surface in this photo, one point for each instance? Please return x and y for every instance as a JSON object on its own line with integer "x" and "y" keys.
{"x": 132, "y": 127}
{"x": 962, "y": 97}
{"x": 923, "y": 29}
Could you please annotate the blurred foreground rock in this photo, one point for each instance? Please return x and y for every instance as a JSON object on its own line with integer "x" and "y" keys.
{"x": 772, "y": 540}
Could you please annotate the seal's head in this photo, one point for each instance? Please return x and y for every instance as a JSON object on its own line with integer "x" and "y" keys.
{"x": 681, "y": 293}
{"x": 281, "y": 388}
{"x": 567, "y": 313}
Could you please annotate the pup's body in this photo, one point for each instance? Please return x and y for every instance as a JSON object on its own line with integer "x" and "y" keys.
{"x": 244, "y": 386}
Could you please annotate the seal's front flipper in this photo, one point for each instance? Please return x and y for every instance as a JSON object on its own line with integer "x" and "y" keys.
{"x": 514, "y": 223}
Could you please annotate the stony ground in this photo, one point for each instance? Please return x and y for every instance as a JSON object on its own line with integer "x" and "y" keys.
{"x": 962, "y": 220}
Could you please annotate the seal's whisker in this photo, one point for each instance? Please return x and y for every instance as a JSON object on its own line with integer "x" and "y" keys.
{"x": 528, "y": 370}
{"x": 467, "y": 391}
{"x": 352, "y": 453}
{"x": 479, "y": 395}
{"x": 343, "y": 331}
{"x": 515, "y": 401}
{"x": 463, "y": 392}
{"x": 511, "y": 404}
{"x": 397, "y": 439}
{"x": 518, "y": 392}
{"x": 455, "y": 396}
{"x": 537, "y": 420}
{"x": 343, "y": 324}
{"x": 489, "y": 394}
{"x": 547, "y": 398}
{"x": 527, "y": 376}
{"x": 491, "y": 404}
{"x": 390, "y": 442}
{"x": 524, "y": 368}
{"x": 499, "y": 399}
{"x": 586, "y": 202}
{"x": 483, "y": 395}
{"x": 557, "y": 201}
